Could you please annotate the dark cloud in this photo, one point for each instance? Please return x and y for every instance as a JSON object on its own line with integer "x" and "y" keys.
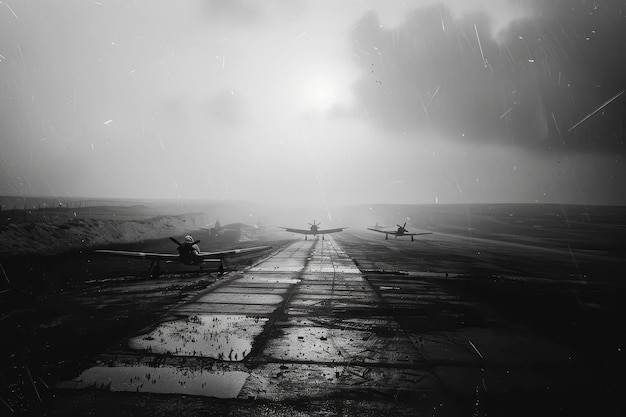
{"x": 527, "y": 86}
{"x": 582, "y": 47}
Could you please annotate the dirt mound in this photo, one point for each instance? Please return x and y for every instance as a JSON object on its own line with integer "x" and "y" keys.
{"x": 52, "y": 236}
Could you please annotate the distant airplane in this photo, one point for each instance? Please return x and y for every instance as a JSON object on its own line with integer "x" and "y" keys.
{"x": 314, "y": 230}
{"x": 233, "y": 229}
{"x": 376, "y": 227}
{"x": 188, "y": 254}
{"x": 215, "y": 225}
{"x": 400, "y": 232}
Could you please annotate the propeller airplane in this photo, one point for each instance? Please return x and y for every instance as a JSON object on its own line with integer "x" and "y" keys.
{"x": 314, "y": 230}
{"x": 402, "y": 231}
{"x": 188, "y": 254}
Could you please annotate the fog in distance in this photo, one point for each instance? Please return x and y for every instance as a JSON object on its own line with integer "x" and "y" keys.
{"x": 315, "y": 103}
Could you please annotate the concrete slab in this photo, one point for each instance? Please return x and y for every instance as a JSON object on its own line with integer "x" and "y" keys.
{"x": 239, "y": 298}
{"x": 220, "y": 308}
{"x": 260, "y": 288}
{"x": 277, "y": 281}
{"x": 302, "y": 381}
{"x": 335, "y": 343}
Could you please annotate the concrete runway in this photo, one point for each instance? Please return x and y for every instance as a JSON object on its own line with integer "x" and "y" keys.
{"x": 306, "y": 332}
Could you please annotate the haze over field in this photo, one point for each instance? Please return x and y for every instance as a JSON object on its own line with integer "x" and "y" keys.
{"x": 315, "y": 102}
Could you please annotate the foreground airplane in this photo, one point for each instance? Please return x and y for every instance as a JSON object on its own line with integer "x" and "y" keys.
{"x": 314, "y": 230}
{"x": 400, "y": 232}
{"x": 188, "y": 254}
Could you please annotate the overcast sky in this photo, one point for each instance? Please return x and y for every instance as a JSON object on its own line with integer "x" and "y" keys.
{"x": 315, "y": 102}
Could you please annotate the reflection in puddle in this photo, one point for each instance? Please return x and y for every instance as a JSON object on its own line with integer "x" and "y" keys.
{"x": 161, "y": 380}
{"x": 217, "y": 336}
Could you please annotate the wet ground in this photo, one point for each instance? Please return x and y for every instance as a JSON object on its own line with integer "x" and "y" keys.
{"x": 349, "y": 325}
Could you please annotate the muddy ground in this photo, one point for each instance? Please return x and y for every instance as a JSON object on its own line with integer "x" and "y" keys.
{"x": 60, "y": 312}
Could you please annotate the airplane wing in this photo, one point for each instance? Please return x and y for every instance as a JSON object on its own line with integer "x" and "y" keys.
{"x": 140, "y": 255}
{"x": 324, "y": 232}
{"x": 171, "y": 256}
{"x": 233, "y": 252}
{"x": 301, "y": 231}
{"x": 393, "y": 232}
{"x": 311, "y": 232}
{"x": 417, "y": 234}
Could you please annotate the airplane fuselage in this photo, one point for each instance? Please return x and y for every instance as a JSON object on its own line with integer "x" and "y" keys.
{"x": 400, "y": 232}
{"x": 315, "y": 227}
{"x": 313, "y": 230}
{"x": 190, "y": 259}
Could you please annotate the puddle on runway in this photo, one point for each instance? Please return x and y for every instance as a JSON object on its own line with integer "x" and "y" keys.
{"x": 161, "y": 380}
{"x": 225, "y": 337}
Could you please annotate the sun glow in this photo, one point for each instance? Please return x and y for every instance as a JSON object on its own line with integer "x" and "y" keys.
{"x": 324, "y": 92}
{"x": 321, "y": 93}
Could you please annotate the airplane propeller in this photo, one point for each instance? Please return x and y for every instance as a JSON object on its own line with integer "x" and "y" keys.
{"x": 402, "y": 227}
{"x": 180, "y": 244}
